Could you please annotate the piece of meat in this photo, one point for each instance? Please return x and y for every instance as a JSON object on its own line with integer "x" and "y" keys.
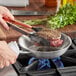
{"x": 53, "y": 36}
{"x": 49, "y": 33}
{"x": 56, "y": 43}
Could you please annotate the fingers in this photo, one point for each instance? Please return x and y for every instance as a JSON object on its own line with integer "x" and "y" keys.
{"x": 2, "y": 22}
{"x": 6, "y": 62}
{"x": 7, "y": 55}
{"x": 12, "y": 61}
{"x": 9, "y": 15}
{"x": 2, "y": 63}
{"x": 4, "y": 12}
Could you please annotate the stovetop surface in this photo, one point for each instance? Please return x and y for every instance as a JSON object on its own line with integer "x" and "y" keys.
{"x": 69, "y": 60}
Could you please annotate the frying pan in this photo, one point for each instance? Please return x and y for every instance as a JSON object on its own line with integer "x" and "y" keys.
{"x": 26, "y": 44}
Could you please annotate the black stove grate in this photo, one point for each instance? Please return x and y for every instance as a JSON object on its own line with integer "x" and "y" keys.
{"x": 69, "y": 60}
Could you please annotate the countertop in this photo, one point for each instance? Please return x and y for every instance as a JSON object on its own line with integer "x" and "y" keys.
{"x": 8, "y": 71}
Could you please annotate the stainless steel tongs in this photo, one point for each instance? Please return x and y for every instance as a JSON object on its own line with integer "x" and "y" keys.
{"x": 33, "y": 35}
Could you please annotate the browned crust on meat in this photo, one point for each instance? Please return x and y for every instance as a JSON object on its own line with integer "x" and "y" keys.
{"x": 49, "y": 33}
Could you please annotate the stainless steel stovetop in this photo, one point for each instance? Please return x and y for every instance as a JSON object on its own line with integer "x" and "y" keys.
{"x": 69, "y": 60}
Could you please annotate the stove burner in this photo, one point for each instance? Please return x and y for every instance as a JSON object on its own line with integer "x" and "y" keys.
{"x": 46, "y": 64}
{"x": 42, "y": 63}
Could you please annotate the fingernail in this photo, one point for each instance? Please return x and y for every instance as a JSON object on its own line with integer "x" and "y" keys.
{"x": 7, "y": 64}
{"x": 12, "y": 62}
{"x": 1, "y": 66}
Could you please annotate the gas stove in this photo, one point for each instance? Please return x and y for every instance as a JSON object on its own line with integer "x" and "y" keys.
{"x": 68, "y": 59}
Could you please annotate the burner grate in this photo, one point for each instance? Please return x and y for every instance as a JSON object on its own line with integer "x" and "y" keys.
{"x": 30, "y": 70}
{"x": 69, "y": 60}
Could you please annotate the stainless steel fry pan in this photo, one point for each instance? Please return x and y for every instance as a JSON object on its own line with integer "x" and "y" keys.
{"x": 26, "y": 44}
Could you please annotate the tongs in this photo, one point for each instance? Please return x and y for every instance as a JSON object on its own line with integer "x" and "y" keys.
{"x": 33, "y": 35}
{"x": 16, "y": 22}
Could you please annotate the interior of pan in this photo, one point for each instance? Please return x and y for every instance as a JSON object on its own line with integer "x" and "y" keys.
{"x": 26, "y": 44}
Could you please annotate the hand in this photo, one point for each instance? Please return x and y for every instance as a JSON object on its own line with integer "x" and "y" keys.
{"x": 7, "y": 55}
{"x": 4, "y": 12}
